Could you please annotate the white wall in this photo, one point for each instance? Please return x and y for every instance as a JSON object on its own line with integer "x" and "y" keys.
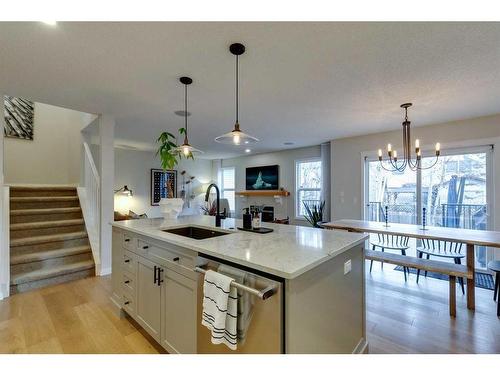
{"x": 133, "y": 168}
{"x": 346, "y": 156}
{"x": 53, "y": 157}
{"x": 286, "y": 160}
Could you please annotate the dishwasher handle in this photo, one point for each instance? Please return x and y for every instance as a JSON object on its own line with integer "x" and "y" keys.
{"x": 262, "y": 294}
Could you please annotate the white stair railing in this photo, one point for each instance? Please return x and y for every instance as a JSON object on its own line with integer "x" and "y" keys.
{"x": 91, "y": 203}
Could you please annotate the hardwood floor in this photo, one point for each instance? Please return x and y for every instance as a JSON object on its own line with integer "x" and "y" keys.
{"x": 75, "y": 317}
{"x": 414, "y": 318}
{"x": 78, "y": 317}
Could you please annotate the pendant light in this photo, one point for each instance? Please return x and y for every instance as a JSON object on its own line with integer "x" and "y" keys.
{"x": 186, "y": 148}
{"x": 236, "y": 136}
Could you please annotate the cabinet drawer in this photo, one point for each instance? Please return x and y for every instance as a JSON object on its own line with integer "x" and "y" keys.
{"x": 165, "y": 256}
{"x": 128, "y": 283}
{"x": 129, "y": 263}
{"x": 129, "y": 242}
{"x": 129, "y": 304}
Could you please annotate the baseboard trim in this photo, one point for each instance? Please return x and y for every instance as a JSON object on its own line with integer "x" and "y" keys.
{"x": 362, "y": 347}
{"x": 105, "y": 271}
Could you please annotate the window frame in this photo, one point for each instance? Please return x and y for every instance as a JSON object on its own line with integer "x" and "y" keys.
{"x": 297, "y": 189}
{"x": 223, "y": 189}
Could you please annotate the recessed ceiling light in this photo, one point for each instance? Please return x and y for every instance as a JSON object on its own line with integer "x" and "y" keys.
{"x": 248, "y": 150}
{"x": 288, "y": 143}
{"x": 50, "y": 23}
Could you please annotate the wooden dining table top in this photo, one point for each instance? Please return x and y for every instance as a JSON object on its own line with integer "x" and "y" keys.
{"x": 467, "y": 236}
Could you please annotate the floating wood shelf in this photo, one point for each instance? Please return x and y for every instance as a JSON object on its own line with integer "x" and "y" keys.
{"x": 264, "y": 193}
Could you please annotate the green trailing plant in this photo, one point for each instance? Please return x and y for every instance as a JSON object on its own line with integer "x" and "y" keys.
{"x": 169, "y": 154}
{"x": 314, "y": 213}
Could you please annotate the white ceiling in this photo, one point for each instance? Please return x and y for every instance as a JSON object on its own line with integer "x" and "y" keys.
{"x": 300, "y": 82}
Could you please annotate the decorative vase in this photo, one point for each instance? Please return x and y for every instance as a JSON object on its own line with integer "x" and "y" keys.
{"x": 171, "y": 207}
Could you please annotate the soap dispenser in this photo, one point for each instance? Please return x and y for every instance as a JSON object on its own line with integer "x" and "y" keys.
{"x": 247, "y": 219}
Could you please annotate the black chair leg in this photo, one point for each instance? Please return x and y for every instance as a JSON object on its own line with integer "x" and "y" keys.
{"x": 428, "y": 257}
{"x": 403, "y": 252}
{"x": 497, "y": 286}
{"x": 419, "y": 255}
{"x": 382, "y": 263}
{"x": 371, "y": 265}
{"x": 460, "y": 279}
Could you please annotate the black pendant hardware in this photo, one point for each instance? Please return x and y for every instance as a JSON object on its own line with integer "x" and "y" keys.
{"x": 127, "y": 239}
{"x": 155, "y": 276}
{"x": 127, "y": 302}
{"x": 127, "y": 260}
{"x": 176, "y": 259}
{"x": 145, "y": 247}
{"x": 127, "y": 281}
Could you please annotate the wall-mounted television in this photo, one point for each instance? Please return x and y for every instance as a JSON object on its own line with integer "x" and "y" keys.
{"x": 262, "y": 178}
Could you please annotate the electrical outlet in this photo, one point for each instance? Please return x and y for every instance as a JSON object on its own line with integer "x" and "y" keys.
{"x": 347, "y": 267}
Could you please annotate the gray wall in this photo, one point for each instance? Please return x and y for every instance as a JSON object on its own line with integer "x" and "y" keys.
{"x": 347, "y": 155}
{"x": 286, "y": 160}
{"x": 53, "y": 157}
{"x": 133, "y": 168}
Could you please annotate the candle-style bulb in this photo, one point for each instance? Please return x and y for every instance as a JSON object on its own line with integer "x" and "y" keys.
{"x": 395, "y": 153}
{"x": 438, "y": 146}
{"x": 389, "y": 147}
{"x": 417, "y": 143}
{"x": 379, "y": 152}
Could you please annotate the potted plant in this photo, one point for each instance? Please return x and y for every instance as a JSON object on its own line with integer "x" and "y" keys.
{"x": 314, "y": 213}
{"x": 169, "y": 155}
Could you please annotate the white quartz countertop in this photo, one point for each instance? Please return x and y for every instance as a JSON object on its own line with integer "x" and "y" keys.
{"x": 287, "y": 252}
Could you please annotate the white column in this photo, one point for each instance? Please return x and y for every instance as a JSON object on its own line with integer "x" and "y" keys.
{"x": 4, "y": 216}
{"x": 107, "y": 177}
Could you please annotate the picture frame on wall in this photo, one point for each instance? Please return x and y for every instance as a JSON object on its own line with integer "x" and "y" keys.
{"x": 158, "y": 186}
{"x": 19, "y": 116}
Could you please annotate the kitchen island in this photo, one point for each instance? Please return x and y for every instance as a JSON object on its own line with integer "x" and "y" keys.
{"x": 316, "y": 277}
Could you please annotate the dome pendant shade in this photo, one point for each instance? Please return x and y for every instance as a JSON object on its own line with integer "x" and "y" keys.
{"x": 236, "y": 136}
{"x": 186, "y": 149}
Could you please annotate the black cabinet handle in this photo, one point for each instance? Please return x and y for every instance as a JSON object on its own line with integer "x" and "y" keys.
{"x": 127, "y": 260}
{"x": 145, "y": 247}
{"x": 155, "y": 277}
{"x": 127, "y": 281}
{"x": 160, "y": 280}
{"x": 127, "y": 239}
{"x": 176, "y": 259}
{"x": 127, "y": 302}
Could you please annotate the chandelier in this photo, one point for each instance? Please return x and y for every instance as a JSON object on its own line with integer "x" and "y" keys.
{"x": 407, "y": 161}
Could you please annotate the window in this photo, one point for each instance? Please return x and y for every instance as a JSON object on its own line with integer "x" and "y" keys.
{"x": 454, "y": 192}
{"x": 228, "y": 186}
{"x": 307, "y": 184}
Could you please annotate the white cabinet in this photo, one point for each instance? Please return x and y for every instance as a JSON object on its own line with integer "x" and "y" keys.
{"x": 158, "y": 288}
{"x": 179, "y": 313}
{"x": 148, "y": 309}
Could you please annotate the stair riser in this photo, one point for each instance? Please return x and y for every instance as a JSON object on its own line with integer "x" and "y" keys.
{"x": 15, "y": 250}
{"x": 46, "y": 231}
{"x": 49, "y": 263}
{"x": 16, "y": 219}
{"x": 51, "y": 281}
{"x": 43, "y": 204}
{"x": 42, "y": 193}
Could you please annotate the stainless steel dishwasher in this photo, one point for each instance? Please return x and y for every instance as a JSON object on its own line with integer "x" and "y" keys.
{"x": 265, "y": 331}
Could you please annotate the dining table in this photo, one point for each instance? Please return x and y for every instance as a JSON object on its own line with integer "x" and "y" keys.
{"x": 470, "y": 237}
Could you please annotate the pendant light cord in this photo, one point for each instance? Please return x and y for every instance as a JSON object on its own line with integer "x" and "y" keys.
{"x": 185, "y": 110}
{"x": 237, "y": 88}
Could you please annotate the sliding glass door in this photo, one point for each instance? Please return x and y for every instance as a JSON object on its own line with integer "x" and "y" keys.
{"x": 454, "y": 192}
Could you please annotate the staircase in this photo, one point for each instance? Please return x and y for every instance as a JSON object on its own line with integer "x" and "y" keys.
{"x": 48, "y": 241}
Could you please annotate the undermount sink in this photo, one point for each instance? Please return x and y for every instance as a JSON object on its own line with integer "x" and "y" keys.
{"x": 196, "y": 233}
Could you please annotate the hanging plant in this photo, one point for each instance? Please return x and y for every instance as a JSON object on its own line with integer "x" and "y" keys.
{"x": 169, "y": 155}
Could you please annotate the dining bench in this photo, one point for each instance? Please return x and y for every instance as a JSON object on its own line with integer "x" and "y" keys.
{"x": 452, "y": 270}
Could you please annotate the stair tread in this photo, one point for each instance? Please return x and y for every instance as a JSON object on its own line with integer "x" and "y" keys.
{"x": 35, "y": 211}
{"x": 30, "y": 276}
{"x": 42, "y": 187}
{"x": 46, "y": 238}
{"x": 63, "y": 198}
{"x": 46, "y": 224}
{"x": 49, "y": 254}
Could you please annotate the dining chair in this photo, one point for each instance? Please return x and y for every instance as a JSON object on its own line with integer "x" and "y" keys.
{"x": 494, "y": 266}
{"x": 393, "y": 242}
{"x": 442, "y": 249}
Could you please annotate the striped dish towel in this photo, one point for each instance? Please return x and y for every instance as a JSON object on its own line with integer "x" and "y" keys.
{"x": 220, "y": 309}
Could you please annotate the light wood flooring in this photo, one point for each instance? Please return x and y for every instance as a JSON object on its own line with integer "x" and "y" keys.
{"x": 78, "y": 317}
